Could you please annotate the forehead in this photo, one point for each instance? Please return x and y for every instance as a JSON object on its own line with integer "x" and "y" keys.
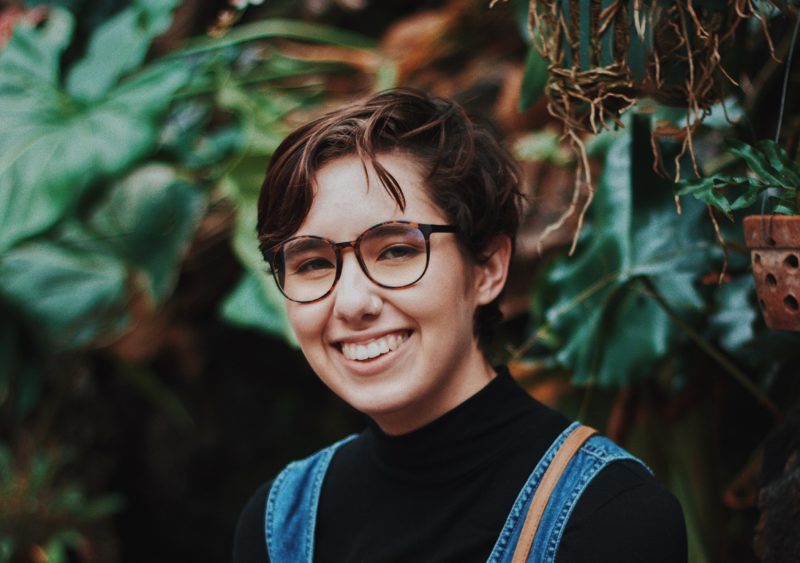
{"x": 348, "y": 201}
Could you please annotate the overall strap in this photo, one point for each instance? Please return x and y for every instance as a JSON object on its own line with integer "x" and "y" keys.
{"x": 581, "y": 466}
{"x": 291, "y": 514}
{"x": 549, "y": 480}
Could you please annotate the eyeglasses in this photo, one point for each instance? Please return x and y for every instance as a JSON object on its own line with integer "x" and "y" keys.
{"x": 394, "y": 254}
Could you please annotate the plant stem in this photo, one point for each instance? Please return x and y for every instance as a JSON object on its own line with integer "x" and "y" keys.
{"x": 647, "y": 288}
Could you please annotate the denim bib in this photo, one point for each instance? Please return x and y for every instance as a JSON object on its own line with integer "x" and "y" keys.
{"x": 294, "y": 497}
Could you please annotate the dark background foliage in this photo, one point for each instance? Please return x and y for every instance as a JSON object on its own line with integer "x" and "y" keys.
{"x": 148, "y": 379}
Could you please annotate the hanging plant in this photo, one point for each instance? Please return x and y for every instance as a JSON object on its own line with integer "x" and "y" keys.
{"x": 773, "y": 236}
{"x": 604, "y": 55}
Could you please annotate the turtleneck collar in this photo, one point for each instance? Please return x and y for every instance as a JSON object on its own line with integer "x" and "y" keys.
{"x": 463, "y": 440}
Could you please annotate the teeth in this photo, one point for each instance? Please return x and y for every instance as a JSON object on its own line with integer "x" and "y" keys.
{"x": 374, "y": 348}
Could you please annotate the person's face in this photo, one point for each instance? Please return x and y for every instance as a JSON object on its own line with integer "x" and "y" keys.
{"x": 433, "y": 362}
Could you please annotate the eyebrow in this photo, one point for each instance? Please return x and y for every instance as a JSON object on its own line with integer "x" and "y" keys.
{"x": 393, "y": 229}
{"x": 302, "y": 244}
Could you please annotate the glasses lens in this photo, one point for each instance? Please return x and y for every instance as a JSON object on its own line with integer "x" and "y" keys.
{"x": 305, "y": 268}
{"x": 394, "y": 254}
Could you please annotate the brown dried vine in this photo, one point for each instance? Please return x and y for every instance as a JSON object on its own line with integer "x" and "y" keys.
{"x": 679, "y": 43}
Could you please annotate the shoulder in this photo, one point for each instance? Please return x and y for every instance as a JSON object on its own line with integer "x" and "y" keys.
{"x": 292, "y": 485}
{"x": 625, "y": 515}
{"x": 303, "y": 477}
{"x": 249, "y": 544}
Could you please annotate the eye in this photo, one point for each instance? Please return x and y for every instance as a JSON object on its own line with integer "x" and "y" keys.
{"x": 313, "y": 265}
{"x": 399, "y": 252}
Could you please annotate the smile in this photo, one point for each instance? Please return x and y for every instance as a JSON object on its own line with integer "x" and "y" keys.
{"x": 374, "y": 348}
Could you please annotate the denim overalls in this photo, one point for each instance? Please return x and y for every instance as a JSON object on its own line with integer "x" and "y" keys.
{"x": 293, "y": 499}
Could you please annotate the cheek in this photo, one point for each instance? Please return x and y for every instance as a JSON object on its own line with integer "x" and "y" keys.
{"x": 307, "y": 320}
{"x": 457, "y": 274}
{"x": 449, "y": 295}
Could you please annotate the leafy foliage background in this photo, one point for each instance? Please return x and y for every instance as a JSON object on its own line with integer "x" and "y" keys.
{"x": 148, "y": 377}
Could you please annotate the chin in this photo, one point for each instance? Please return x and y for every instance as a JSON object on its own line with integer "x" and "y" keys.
{"x": 375, "y": 400}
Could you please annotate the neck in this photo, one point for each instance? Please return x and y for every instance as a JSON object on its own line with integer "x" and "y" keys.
{"x": 471, "y": 435}
{"x": 475, "y": 373}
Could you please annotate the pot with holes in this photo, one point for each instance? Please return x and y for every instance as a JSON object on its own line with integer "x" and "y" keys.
{"x": 774, "y": 242}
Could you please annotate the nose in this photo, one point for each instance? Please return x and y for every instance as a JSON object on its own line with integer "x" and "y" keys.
{"x": 356, "y": 299}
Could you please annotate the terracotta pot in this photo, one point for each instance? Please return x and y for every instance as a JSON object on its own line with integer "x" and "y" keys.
{"x": 774, "y": 242}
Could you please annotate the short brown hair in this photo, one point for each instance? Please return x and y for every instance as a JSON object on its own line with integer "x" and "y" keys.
{"x": 468, "y": 174}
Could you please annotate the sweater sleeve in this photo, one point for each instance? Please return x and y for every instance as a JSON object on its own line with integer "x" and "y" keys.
{"x": 628, "y": 517}
{"x": 250, "y": 542}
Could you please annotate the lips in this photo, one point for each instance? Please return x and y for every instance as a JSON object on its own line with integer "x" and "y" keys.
{"x": 369, "y": 349}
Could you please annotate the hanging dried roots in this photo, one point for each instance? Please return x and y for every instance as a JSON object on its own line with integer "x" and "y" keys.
{"x": 604, "y": 56}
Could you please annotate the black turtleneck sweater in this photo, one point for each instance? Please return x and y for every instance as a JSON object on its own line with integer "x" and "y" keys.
{"x": 443, "y": 493}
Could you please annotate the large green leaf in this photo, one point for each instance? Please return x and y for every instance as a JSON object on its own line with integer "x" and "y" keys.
{"x": 32, "y": 56}
{"x": 69, "y": 297}
{"x": 118, "y": 46}
{"x": 256, "y": 302}
{"x": 610, "y": 329}
{"x": 52, "y": 147}
{"x": 74, "y": 287}
{"x": 147, "y": 220}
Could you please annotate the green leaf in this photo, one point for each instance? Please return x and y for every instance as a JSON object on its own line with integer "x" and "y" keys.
{"x": 261, "y": 116}
{"x": 278, "y": 28}
{"x": 534, "y": 79}
{"x": 102, "y": 507}
{"x": 31, "y": 58}
{"x": 521, "y": 16}
{"x": 43, "y": 470}
{"x": 257, "y": 303}
{"x": 610, "y": 330}
{"x": 753, "y": 189}
{"x": 542, "y": 146}
{"x": 715, "y": 190}
{"x": 148, "y": 220}
{"x": 780, "y": 162}
{"x": 118, "y": 46}
{"x": 52, "y": 148}
{"x": 756, "y": 161}
{"x": 57, "y": 545}
{"x": 71, "y": 297}
{"x": 784, "y": 209}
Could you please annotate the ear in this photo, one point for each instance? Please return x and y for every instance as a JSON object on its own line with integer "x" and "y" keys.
{"x": 490, "y": 276}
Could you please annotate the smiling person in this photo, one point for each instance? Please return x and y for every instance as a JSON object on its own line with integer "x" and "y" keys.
{"x": 388, "y": 226}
